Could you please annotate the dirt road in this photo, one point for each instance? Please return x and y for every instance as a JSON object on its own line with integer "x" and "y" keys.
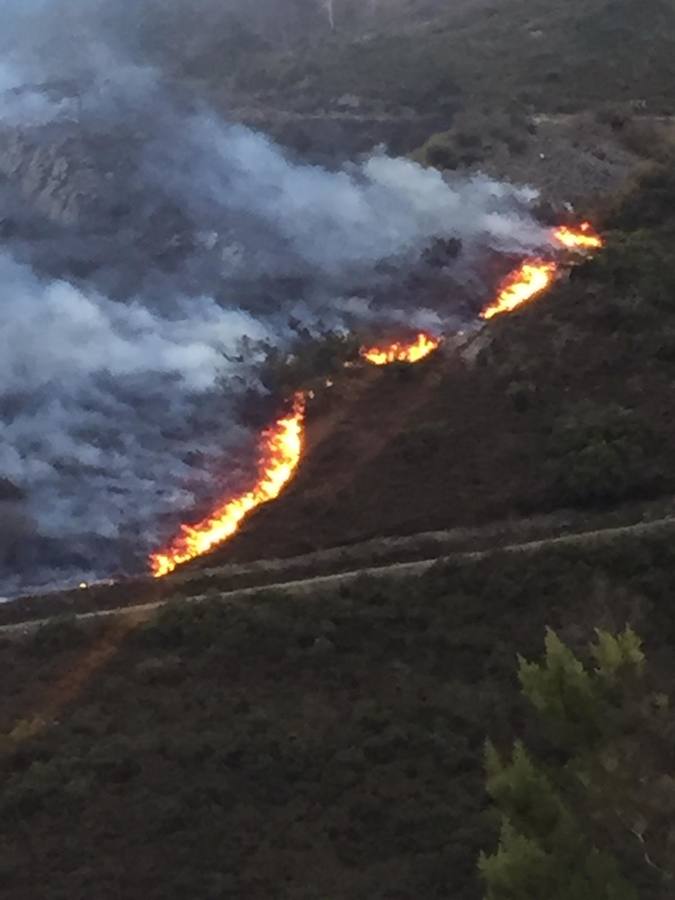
{"x": 304, "y": 586}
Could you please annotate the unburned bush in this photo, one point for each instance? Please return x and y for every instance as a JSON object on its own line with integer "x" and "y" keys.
{"x": 603, "y": 454}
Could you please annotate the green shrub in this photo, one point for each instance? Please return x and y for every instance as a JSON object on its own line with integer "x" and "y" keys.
{"x": 646, "y": 138}
{"x": 64, "y": 633}
{"x": 602, "y": 454}
{"x": 647, "y": 202}
{"x": 441, "y": 156}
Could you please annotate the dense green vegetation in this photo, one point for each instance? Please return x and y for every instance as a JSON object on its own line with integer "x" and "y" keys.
{"x": 331, "y": 746}
{"x": 597, "y": 377}
{"x": 308, "y": 362}
{"x": 604, "y": 799}
{"x": 474, "y": 136}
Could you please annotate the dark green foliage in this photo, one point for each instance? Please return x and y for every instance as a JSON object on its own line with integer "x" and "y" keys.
{"x": 589, "y": 367}
{"x": 441, "y": 155}
{"x": 522, "y": 394}
{"x": 637, "y": 265}
{"x": 647, "y": 203}
{"x": 58, "y": 634}
{"x": 572, "y": 822}
{"x": 602, "y": 454}
{"x": 310, "y": 357}
{"x": 473, "y": 136}
{"x": 284, "y": 746}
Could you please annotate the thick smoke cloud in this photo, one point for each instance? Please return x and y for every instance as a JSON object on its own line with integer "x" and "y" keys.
{"x": 339, "y": 220}
{"x": 143, "y": 238}
{"x": 101, "y": 402}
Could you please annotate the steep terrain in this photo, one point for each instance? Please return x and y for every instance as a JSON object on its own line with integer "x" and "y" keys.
{"x": 295, "y": 748}
{"x": 327, "y": 741}
{"x": 565, "y": 403}
{"x": 330, "y": 742}
{"x": 394, "y": 72}
{"x": 556, "y": 57}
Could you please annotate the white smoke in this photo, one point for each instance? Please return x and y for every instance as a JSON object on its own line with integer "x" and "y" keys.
{"x": 22, "y": 104}
{"x": 54, "y": 332}
{"x": 337, "y": 220}
{"x": 100, "y": 401}
{"x": 185, "y": 234}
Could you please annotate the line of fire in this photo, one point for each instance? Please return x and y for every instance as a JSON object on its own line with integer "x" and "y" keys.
{"x": 281, "y": 446}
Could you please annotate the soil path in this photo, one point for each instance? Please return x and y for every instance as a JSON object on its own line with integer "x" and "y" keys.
{"x": 302, "y": 587}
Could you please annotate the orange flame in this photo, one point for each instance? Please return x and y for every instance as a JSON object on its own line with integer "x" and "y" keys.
{"x": 533, "y": 277}
{"x": 582, "y": 238}
{"x": 282, "y": 444}
{"x": 411, "y": 352}
{"x": 280, "y": 452}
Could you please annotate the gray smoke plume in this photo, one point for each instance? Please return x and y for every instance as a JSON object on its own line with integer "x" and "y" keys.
{"x": 143, "y": 239}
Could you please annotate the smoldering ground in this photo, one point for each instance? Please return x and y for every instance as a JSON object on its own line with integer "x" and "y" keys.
{"x": 143, "y": 239}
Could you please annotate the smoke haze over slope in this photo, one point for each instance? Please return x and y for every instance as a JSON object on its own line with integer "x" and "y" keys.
{"x": 143, "y": 239}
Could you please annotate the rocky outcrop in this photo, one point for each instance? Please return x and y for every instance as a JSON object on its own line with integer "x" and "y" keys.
{"x": 66, "y": 175}
{"x": 76, "y": 207}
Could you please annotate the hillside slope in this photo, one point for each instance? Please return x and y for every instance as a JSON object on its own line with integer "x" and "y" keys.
{"x": 551, "y": 56}
{"x": 331, "y": 745}
{"x": 565, "y": 403}
{"x": 285, "y": 748}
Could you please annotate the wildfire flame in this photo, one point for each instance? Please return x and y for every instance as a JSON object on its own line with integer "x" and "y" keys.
{"x": 282, "y": 444}
{"x": 530, "y": 279}
{"x": 535, "y": 275}
{"x": 280, "y": 451}
{"x": 582, "y": 238}
{"x": 410, "y": 352}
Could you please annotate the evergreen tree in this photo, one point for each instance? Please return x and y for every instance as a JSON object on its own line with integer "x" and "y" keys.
{"x": 594, "y": 819}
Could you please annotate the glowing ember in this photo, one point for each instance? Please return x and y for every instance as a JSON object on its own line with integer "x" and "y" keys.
{"x": 582, "y": 238}
{"x": 411, "y": 352}
{"x": 280, "y": 452}
{"x": 533, "y": 277}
